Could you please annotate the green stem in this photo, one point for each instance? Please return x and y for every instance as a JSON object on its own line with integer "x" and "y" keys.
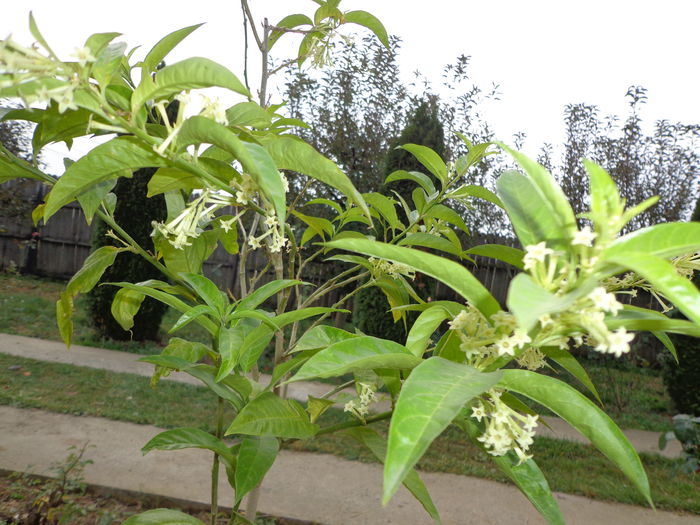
{"x": 354, "y": 423}
{"x": 215, "y": 463}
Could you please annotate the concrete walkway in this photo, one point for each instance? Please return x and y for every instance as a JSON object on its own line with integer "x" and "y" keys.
{"x": 307, "y": 486}
{"x": 124, "y": 362}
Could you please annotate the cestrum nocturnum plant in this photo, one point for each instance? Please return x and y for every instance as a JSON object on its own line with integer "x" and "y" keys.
{"x": 226, "y": 174}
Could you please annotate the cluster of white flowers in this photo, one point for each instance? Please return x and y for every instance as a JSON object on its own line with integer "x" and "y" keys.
{"x": 277, "y": 240}
{"x": 360, "y": 406}
{"x": 190, "y": 223}
{"x": 506, "y": 429}
{"x": 214, "y": 109}
{"x": 382, "y": 267}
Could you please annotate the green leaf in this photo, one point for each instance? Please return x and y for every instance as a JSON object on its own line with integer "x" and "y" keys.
{"x": 507, "y": 254}
{"x": 605, "y": 199}
{"x": 430, "y": 399}
{"x": 170, "y": 179}
{"x": 635, "y": 318}
{"x": 385, "y": 206}
{"x": 108, "y": 63}
{"x": 34, "y": 30}
{"x": 429, "y": 240}
{"x": 290, "y": 22}
{"x": 186, "y": 352}
{"x": 248, "y": 114}
{"x": 528, "y": 301}
{"x": 189, "y": 259}
{"x": 423, "y": 328}
{"x": 91, "y": 199}
{"x": 94, "y": 266}
{"x": 191, "y": 315}
{"x": 449, "y": 272}
{"x": 191, "y": 73}
{"x": 255, "y": 457}
{"x": 254, "y": 159}
{"x": 166, "y": 44}
{"x": 548, "y": 187}
{"x": 107, "y": 161}
{"x": 207, "y": 291}
{"x": 270, "y": 415}
{"x": 316, "y": 406}
{"x": 292, "y": 153}
{"x": 533, "y": 217}
{"x": 98, "y": 41}
{"x": 230, "y": 344}
{"x": 663, "y": 277}
{"x": 479, "y": 192}
{"x": 369, "y": 21}
{"x": 584, "y": 416}
{"x": 181, "y": 438}
{"x": 377, "y": 446}
{"x": 569, "y": 363}
{"x": 355, "y": 354}
{"x": 286, "y": 318}
{"x": 162, "y": 517}
{"x": 254, "y": 345}
{"x": 125, "y": 306}
{"x": 428, "y": 158}
{"x": 448, "y": 215}
{"x": 53, "y": 126}
{"x": 266, "y": 291}
{"x": 661, "y": 240}
{"x": 321, "y": 336}
{"x": 415, "y": 176}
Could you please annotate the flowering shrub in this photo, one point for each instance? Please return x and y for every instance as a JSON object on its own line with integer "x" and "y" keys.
{"x": 473, "y": 375}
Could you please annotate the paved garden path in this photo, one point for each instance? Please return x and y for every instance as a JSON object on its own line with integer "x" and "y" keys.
{"x": 116, "y": 361}
{"x": 308, "y": 486}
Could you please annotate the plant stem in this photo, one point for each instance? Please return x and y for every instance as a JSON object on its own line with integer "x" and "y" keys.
{"x": 215, "y": 463}
{"x": 356, "y": 423}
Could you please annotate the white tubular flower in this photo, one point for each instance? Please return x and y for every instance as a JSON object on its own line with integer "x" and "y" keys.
{"x": 520, "y": 338}
{"x": 505, "y": 346}
{"x": 605, "y": 301}
{"x": 254, "y": 242}
{"x": 461, "y": 321}
{"x": 227, "y": 225}
{"x": 214, "y": 109}
{"x": 545, "y": 320}
{"x": 285, "y": 182}
{"x": 271, "y": 221}
{"x": 478, "y": 412}
{"x": 504, "y": 320}
{"x": 84, "y": 55}
{"x": 618, "y": 342}
{"x": 65, "y": 100}
{"x": 535, "y": 253}
{"x": 584, "y": 237}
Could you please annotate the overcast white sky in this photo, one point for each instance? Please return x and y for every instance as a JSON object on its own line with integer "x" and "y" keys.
{"x": 544, "y": 54}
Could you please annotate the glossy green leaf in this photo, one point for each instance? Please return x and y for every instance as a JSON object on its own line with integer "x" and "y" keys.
{"x": 255, "y": 457}
{"x": 584, "y": 416}
{"x": 54, "y": 126}
{"x": 635, "y": 318}
{"x": 107, "y": 161}
{"x": 170, "y": 179}
{"x": 191, "y": 315}
{"x": 430, "y": 399}
{"x": 182, "y": 350}
{"x": 664, "y": 278}
{"x": 661, "y": 240}
{"x": 162, "y": 517}
{"x": 355, "y": 354}
{"x": 428, "y": 240}
{"x": 386, "y": 208}
{"x": 248, "y": 114}
{"x": 206, "y": 290}
{"x": 125, "y": 306}
{"x": 98, "y": 41}
{"x": 190, "y": 258}
{"x": 289, "y": 22}
{"x": 230, "y": 343}
{"x": 507, "y": 254}
{"x": 605, "y": 199}
{"x": 419, "y": 178}
{"x": 254, "y": 345}
{"x": 569, "y": 363}
{"x": 292, "y": 153}
{"x": 34, "y": 30}
{"x": 91, "y": 199}
{"x": 377, "y": 446}
{"x": 191, "y": 73}
{"x": 286, "y": 318}
{"x": 448, "y": 215}
{"x": 266, "y": 291}
{"x": 533, "y": 217}
{"x": 321, "y": 336}
{"x": 108, "y": 63}
{"x": 369, "y": 21}
{"x": 423, "y": 328}
{"x": 253, "y": 158}
{"x": 470, "y": 190}
{"x": 552, "y": 192}
{"x": 180, "y": 438}
{"x": 166, "y": 44}
{"x": 270, "y": 415}
{"x": 449, "y": 272}
{"x": 428, "y": 158}
{"x": 528, "y": 301}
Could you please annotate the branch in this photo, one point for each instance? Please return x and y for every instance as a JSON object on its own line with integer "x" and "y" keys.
{"x": 246, "y": 8}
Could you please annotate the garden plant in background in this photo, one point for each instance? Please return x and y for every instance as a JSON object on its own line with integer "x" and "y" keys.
{"x": 224, "y": 173}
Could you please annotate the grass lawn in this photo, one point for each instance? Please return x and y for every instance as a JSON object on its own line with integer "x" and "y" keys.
{"x": 633, "y": 397}
{"x": 570, "y": 467}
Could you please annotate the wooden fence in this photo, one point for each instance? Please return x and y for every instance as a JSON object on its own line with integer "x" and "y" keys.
{"x": 59, "y": 248}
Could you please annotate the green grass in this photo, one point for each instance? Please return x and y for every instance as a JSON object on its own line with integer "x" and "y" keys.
{"x": 633, "y": 397}
{"x": 570, "y": 467}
